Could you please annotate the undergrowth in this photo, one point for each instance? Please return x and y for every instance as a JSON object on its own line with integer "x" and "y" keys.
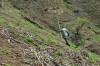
{"x": 93, "y": 57}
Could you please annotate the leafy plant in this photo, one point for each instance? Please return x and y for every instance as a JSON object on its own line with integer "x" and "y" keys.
{"x": 50, "y": 40}
{"x": 45, "y": 42}
{"x": 29, "y": 39}
{"x": 60, "y": 53}
{"x": 1, "y": 48}
{"x": 39, "y": 47}
{"x": 7, "y": 64}
{"x": 33, "y": 53}
{"x": 82, "y": 20}
{"x": 73, "y": 47}
{"x": 96, "y": 38}
{"x": 67, "y": 4}
{"x": 26, "y": 61}
{"x": 91, "y": 57}
{"x": 6, "y": 52}
{"x": 56, "y": 57}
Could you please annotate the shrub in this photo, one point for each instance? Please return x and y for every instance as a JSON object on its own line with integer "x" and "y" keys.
{"x": 29, "y": 39}
{"x": 7, "y": 64}
{"x": 73, "y": 47}
{"x": 67, "y": 4}
{"x": 26, "y": 61}
{"x": 6, "y": 52}
{"x": 91, "y": 57}
{"x": 39, "y": 47}
{"x": 82, "y": 20}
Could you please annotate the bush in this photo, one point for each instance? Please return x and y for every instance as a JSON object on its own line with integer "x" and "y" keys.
{"x": 26, "y": 61}
{"x": 29, "y": 39}
{"x": 39, "y": 47}
{"x": 6, "y": 52}
{"x": 91, "y": 58}
{"x": 67, "y": 3}
{"x": 82, "y": 20}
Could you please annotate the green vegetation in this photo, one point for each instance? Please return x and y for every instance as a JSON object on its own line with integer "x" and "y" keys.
{"x": 15, "y": 20}
{"x": 6, "y": 52}
{"x": 39, "y": 47}
{"x": 1, "y": 48}
{"x": 33, "y": 53}
{"x": 29, "y": 39}
{"x": 60, "y": 53}
{"x": 67, "y": 4}
{"x": 82, "y": 20}
{"x": 73, "y": 47}
{"x": 96, "y": 38}
{"x": 7, "y": 65}
{"x": 79, "y": 29}
{"x": 26, "y": 61}
{"x": 50, "y": 41}
{"x": 93, "y": 57}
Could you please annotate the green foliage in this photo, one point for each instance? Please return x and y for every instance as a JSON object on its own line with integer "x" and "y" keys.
{"x": 96, "y": 38}
{"x": 33, "y": 53}
{"x": 56, "y": 57}
{"x": 74, "y": 64}
{"x": 7, "y": 64}
{"x": 73, "y": 47}
{"x": 6, "y": 52}
{"x": 50, "y": 40}
{"x": 26, "y": 61}
{"x": 82, "y": 20}
{"x": 67, "y": 4}
{"x": 38, "y": 47}
{"x": 80, "y": 23}
{"x": 60, "y": 53}
{"x": 2, "y": 20}
{"x": 93, "y": 57}
{"x": 29, "y": 39}
{"x": 1, "y": 48}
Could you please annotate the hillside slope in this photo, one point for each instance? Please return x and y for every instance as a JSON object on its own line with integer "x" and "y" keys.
{"x": 29, "y": 35}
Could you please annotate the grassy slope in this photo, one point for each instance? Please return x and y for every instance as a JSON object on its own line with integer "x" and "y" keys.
{"x": 11, "y": 17}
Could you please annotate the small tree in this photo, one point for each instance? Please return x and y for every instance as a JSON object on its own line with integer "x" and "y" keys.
{"x": 79, "y": 39}
{"x": 81, "y": 23}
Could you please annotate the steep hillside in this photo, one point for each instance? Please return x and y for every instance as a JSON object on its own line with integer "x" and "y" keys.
{"x": 30, "y": 36}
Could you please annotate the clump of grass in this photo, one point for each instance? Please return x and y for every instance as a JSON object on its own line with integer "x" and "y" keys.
{"x": 82, "y": 20}
{"x": 33, "y": 53}
{"x": 1, "y": 48}
{"x": 67, "y": 4}
{"x": 50, "y": 40}
{"x": 60, "y": 53}
{"x": 91, "y": 58}
{"x": 73, "y": 47}
{"x": 26, "y": 61}
{"x": 96, "y": 38}
{"x": 29, "y": 39}
{"x": 7, "y": 64}
{"x": 38, "y": 47}
{"x": 56, "y": 57}
{"x": 6, "y": 52}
